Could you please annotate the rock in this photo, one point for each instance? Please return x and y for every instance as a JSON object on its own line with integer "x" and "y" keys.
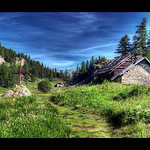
{"x": 17, "y": 91}
{"x": 8, "y": 93}
{"x": 1, "y": 59}
{"x": 20, "y": 61}
{"x": 59, "y": 85}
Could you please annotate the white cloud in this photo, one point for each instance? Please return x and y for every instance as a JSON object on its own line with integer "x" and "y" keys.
{"x": 98, "y": 46}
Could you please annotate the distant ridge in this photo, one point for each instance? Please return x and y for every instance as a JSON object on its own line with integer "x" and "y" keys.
{"x": 71, "y": 71}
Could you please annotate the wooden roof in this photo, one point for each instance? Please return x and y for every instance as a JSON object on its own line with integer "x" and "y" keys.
{"x": 114, "y": 67}
{"x": 111, "y": 65}
{"x": 129, "y": 67}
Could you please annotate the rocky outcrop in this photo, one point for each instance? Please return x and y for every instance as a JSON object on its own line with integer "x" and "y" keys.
{"x": 17, "y": 91}
{"x": 1, "y": 59}
{"x": 20, "y": 61}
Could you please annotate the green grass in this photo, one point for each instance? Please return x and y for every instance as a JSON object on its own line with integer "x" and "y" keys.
{"x": 3, "y": 90}
{"x": 103, "y": 110}
{"x": 126, "y": 106}
{"x": 33, "y": 86}
{"x": 30, "y": 117}
{"x": 84, "y": 123}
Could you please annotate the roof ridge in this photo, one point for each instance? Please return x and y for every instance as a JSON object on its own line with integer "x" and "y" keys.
{"x": 113, "y": 63}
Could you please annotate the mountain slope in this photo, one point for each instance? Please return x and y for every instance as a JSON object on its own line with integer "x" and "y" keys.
{"x": 34, "y": 69}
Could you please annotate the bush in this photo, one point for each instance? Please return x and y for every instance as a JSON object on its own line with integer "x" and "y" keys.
{"x": 135, "y": 91}
{"x": 139, "y": 89}
{"x": 44, "y": 86}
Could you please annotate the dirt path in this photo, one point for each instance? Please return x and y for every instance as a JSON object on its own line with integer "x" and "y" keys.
{"x": 84, "y": 123}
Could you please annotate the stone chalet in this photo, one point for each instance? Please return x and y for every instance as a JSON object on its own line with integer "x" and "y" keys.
{"x": 127, "y": 69}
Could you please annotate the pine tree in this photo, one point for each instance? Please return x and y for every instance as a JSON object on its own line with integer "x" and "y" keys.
{"x": 14, "y": 78}
{"x": 91, "y": 61}
{"x": 1, "y": 52}
{"x": 55, "y": 73}
{"x": 103, "y": 59}
{"x": 66, "y": 75}
{"x": 69, "y": 78}
{"x": 25, "y": 68}
{"x": 124, "y": 46}
{"x": 148, "y": 46}
{"x": 140, "y": 40}
{"x": 75, "y": 73}
{"x": 87, "y": 65}
{"x": 51, "y": 75}
{"x": 5, "y": 80}
{"x": 42, "y": 71}
{"x": 99, "y": 58}
{"x": 61, "y": 75}
{"x": 83, "y": 68}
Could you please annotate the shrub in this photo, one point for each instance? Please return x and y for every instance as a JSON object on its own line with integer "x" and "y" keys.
{"x": 139, "y": 89}
{"x": 135, "y": 91}
{"x": 44, "y": 86}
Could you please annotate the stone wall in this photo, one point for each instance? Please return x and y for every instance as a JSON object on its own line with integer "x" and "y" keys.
{"x": 137, "y": 75}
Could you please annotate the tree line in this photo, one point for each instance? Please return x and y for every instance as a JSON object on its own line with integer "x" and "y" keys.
{"x": 33, "y": 68}
{"x": 82, "y": 72}
{"x": 139, "y": 44}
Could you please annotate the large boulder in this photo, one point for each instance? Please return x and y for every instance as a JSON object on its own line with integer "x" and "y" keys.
{"x": 17, "y": 91}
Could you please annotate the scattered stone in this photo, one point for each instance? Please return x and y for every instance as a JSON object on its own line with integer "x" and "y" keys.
{"x": 17, "y": 91}
{"x": 59, "y": 85}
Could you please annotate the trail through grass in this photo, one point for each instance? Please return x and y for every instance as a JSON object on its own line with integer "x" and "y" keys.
{"x": 89, "y": 111}
{"x": 125, "y": 106}
{"x": 84, "y": 123}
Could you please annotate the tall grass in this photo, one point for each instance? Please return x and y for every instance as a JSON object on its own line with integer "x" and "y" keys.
{"x": 30, "y": 117}
{"x": 123, "y": 105}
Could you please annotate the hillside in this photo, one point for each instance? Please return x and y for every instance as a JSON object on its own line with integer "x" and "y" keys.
{"x": 91, "y": 111}
{"x": 126, "y": 107}
{"x": 9, "y": 61}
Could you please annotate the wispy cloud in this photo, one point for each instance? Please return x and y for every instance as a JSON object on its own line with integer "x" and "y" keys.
{"x": 98, "y": 46}
{"x": 64, "y": 39}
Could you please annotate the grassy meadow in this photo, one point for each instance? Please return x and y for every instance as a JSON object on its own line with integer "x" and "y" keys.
{"x": 30, "y": 117}
{"x": 126, "y": 107}
{"x": 107, "y": 110}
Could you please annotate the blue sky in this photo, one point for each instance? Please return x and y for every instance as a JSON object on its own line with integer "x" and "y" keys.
{"x": 65, "y": 39}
